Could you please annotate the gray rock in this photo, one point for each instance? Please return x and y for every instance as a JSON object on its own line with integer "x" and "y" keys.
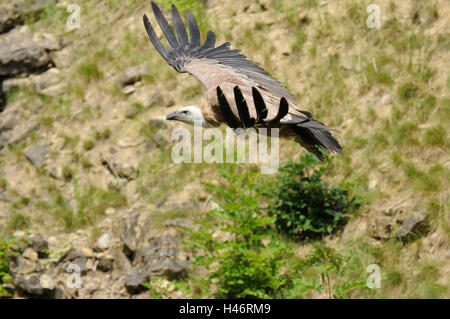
{"x": 129, "y": 89}
{"x": 54, "y": 90}
{"x": 383, "y": 222}
{"x": 411, "y": 224}
{"x": 18, "y": 134}
{"x": 12, "y": 12}
{"x": 8, "y": 121}
{"x": 39, "y": 245}
{"x": 134, "y": 278}
{"x": 22, "y": 52}
{"x": 105, "y": 264}
{"x": 62, "y": 58}
{"x": 30, "y": 284}
{"x": 9, "y": 17}
{"x": 30, "y": 254}
{"x": 161, "y": 258}
{"x": 179, "y": 222}
{"x": 81, "y": 262}
{"x": 47, "y": 282}
{"x": 72, "y": 255}
{"x": 12, "y": 84}
{"x": 21, "y": 265}
{"x": 102, "y": 242}
{"x": 119, "y": 168}
{"x": 132, "y": 75}
{"x": 37, "y": 285}
{"x": 36, "y": 154}
{"x": 55, "y": 172}
{"x": 46, "y": 80}
{"x": 133, "y": 230}
{"x": 75, "y": 257}
{"x": 169, "y": 268}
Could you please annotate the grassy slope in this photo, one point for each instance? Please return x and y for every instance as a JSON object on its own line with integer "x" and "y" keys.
{"x": 385, "y": 89}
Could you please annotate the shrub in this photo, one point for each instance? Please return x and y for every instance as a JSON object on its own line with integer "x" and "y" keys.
{"x": 7, "y": 245}
{"x": 245, "y": 267}
{"x": 304, "y": 206}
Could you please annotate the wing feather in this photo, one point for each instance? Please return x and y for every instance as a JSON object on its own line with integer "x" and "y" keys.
{"x": 194, "y": 31}
{"x": 154, "y": 38}
{"x": 179, "y": 27}
{"x": 183, "y": 53}
{"x": 165, "y": 27}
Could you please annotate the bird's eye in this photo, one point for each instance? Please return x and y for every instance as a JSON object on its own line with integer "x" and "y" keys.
{"x": 185, "y": 112}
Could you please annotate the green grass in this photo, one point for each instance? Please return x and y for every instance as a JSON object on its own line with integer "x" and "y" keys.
{"x": 88, "y": 145}
{"x": 429, "y": 180}
{"x": 435, "y": 136}
{"x": 89, "y": 71}
{"x": 91, "y": 203}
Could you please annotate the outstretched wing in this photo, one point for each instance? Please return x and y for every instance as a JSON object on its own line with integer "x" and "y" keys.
{"x": 212, "y": 65}
{"x": 312, "y": 135}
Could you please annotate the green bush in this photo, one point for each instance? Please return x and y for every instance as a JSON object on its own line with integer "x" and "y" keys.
{"x": 244, "y": 266}
{"x": 6, "y": 245}
{"x": 304, "y": 206}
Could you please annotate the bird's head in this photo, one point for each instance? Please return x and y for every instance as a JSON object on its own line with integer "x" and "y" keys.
{"x": 187, "y": 114}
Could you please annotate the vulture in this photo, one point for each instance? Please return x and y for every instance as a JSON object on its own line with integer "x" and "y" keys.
{"x": 238, "y": 92}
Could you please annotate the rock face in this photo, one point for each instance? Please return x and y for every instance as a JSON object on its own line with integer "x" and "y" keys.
{"x": 22, "y": 52}
{"x": 9, "y": 17}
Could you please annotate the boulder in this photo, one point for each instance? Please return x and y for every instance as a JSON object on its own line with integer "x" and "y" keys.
{"x": 22, "y": 265}
{"x": 38, "y": 286}
{"x": 22, "y": 52}
{"x": 12, "y": 12}
{"x": 132, "y": 232}
{"x": 132, "y": 75}
{"x": 102, "y": 243}
{"x": 412, "y": 224}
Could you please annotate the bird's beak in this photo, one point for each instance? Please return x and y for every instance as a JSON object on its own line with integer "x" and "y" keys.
{"x": 171, "y": 116}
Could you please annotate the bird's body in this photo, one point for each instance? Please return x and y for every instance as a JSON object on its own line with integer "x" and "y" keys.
{"x": 220, "y": 67}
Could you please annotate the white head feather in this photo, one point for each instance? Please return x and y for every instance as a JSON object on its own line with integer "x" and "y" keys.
{"x": 188, "y": 114}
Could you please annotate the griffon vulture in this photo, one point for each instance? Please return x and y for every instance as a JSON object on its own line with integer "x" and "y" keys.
{"x": 238, "y": 92}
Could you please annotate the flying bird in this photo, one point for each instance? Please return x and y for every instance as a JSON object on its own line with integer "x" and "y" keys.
{"x": 238, "y": 92}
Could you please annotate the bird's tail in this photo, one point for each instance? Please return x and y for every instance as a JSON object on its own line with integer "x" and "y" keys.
{"x": 315, "y": 136}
